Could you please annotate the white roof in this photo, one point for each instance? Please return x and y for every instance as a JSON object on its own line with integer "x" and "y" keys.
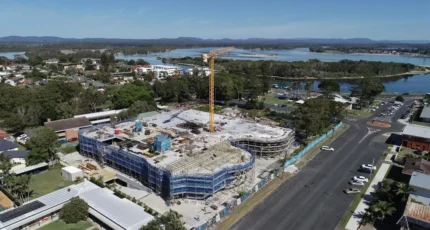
{"x": 99, "y": 114}
{"x": 71, "y": 169}
{"x": 417, "y": 131}
{"x": 122, "y": 212}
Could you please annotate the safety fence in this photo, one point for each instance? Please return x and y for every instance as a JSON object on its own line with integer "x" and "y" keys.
{"x": 233, "y": 204}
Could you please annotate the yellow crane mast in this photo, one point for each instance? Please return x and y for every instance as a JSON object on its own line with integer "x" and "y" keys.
{"x": 211, "y": 58}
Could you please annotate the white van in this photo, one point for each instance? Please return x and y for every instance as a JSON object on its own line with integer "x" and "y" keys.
{"x": 398, "y": 103}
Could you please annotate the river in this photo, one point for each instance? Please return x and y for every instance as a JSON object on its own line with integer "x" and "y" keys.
{"x": 416, "y": 83}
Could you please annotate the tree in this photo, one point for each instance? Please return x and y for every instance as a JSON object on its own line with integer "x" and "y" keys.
{"x": 381, "y": 209}
{"x": 106, "y": 60}
{"x": 129, "y": 93}
{"x": 71, "y": 71}
{"x": 35, "y": 61}
{"x": 170, "y": 220}
{"x": 53, "y": 67}
{"x": 131, "y": 62}
{"x": 309, "y": 86}
{"x": 142, "y": 62}
{"x": 400, "y": 98}
{"x": 367, "y": 89}
{"x": 404, "y": 190}
{"x": 135, "y": 109}
{"x": 296, "y": 86}
{"x": 44, "y": 145}
{"x": 329, "y": 86}
{"x": 74, "y": 211}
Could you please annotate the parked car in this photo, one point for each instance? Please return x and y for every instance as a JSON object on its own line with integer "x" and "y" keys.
{"x": 351, "y": 191}
{"x": 360, "y": 179}
{"x": 327, "y": 148}
{"x": 356, "y": 183}
{"x": 405, "y": 93}
{"x": 368, "y": 166}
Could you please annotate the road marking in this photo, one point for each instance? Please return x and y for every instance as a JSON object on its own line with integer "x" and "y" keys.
{"x": 370, "y": 131}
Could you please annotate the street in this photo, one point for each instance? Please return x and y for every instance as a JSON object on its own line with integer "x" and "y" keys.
{"x": 314, "y": 198}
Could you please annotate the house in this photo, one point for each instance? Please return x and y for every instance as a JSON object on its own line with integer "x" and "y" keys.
{"x": 77, "y": 79}
{"x": 416, "y": 165}
{"x": 4, "y": 74}
{"x": 105, "y": 208}
{"x": 100, "y": 86}
{"x": 6, "y": 145}
{"x": 67, "y": 129}
{"x": 66, "y": 66}
{"x": 417, "y": 210}
{"x": 3, "y": 134}
{"x": 416, "y": 137}
{"x": 14, "y": 81}
{"x": 93, "y": 61}
{"x": 17, "y": 158}
{"x": 144, "y": 69}
{"x": 52, "y": 61}
{"x": 425, "y": 114}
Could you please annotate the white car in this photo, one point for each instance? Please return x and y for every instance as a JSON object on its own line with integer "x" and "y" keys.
{"x": 351, "y": 191}
{"x": 368, "y": 166}
{"x": 22, "y": 136}
{"x": 327, "y": 148}
{"x": 360, "y": 179}
{"x": 356, "y": 183}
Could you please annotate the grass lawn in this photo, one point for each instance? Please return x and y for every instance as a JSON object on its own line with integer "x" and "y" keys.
{"x": 359, "y": 196}
{"x": 59, "y": 224}
{"x": 48, "y": 181}
{"x": 273, "y": 100}
{"x": 363, "y": 113}
{"x": 205, "y": 108}
{"x": 68, "y": 149}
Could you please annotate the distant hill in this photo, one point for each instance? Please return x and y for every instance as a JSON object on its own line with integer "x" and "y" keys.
{"x": 193, "y": 40}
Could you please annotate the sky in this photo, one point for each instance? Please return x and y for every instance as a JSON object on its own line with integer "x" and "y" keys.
{"x": 143, "y": 19}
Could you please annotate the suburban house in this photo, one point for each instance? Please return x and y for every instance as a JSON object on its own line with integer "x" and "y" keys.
{"x": 416, "y": 137}
{"x": 105, "y": 209}
{"x": 17, "y": 158}
{"x": 52, "y": 61}
{"x": 416, "y": 165}
{"x": 14, "y": 81}
{"x": 6, "y": 145}
{"x": 417, "y": 210}
{"x": 66, "y": 66}
{"x": 67, "y": 129}
{"x": 425, "y": 114}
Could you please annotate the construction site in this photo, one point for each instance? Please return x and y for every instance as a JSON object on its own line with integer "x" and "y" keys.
{"x": 173, "y": 153}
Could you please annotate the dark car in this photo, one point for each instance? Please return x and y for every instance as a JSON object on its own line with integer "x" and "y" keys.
{"x": 405, "y": 93}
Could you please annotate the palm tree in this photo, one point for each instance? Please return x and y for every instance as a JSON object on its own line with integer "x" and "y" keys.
{"x": 296, "y": 86}
{"x": 381, "y": 209}
{"x": 404, "y": 190}
{"x": 309, "y": 86}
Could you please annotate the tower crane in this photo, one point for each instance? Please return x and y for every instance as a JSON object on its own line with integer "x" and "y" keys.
{"x": 211, "y": 59}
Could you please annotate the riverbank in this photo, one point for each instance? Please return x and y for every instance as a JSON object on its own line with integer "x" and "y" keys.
{"x": 410, "y": 73}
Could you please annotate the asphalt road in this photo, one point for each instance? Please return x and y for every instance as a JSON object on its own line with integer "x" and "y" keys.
{"x": 314, "y": 198}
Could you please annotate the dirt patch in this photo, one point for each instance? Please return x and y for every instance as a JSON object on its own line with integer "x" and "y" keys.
{"x": 5, "y": 202}
{"x": 379, "y": 124}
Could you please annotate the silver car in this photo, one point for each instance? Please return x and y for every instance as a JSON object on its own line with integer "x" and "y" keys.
{"x": 356, "y": 183}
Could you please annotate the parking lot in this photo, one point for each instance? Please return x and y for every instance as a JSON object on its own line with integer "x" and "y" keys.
{"x": 386, "y": 111}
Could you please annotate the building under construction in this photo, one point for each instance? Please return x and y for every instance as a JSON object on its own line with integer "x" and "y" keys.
{"x": 174, "y": 154}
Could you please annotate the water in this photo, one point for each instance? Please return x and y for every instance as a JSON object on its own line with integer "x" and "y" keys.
{"x": 298, "y": 54}
{"x": 414, "y": 84}
{"x": 10, "y": 55}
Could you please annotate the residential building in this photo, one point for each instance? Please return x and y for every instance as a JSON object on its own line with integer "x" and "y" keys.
{"x": 94, "y": 61}
{"x": 144, "y": 69}
{"x": 425, "y": 114}
{"x": 100, "y": 117}
{"x": 200, "y": 71}
{"x": 6, "y": 145}
{"x": 71, "y": 65}
{"x": 17, "y": 158}
{"x": 52, "y": 61}
{"x": 417, "y": 210}
{"x": 67, "y": 129}
{"x": 163, "y": 71}
{"x": 105, "y": 209}
{"x": 416, "y": 165}
{"x": 416, "y": 137}
{"x": 14, "y": 81}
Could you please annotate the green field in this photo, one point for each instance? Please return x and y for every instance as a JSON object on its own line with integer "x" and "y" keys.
{"x": 59, "y": 224}
{"x": 273, "y": 100}
{"x": 48, "y": 182}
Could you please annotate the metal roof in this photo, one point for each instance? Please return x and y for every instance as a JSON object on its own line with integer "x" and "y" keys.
{"x": 122, "y": 212}
{"x": 425, "y": 113}
{"x": 6, "y": 145}
{"x": 16, "y": 154}
{"x": 71, "y": 123}
{"x": 417, "y": 131}
{"x": 420, "y": 180}
{"x": 418, "y": 211}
